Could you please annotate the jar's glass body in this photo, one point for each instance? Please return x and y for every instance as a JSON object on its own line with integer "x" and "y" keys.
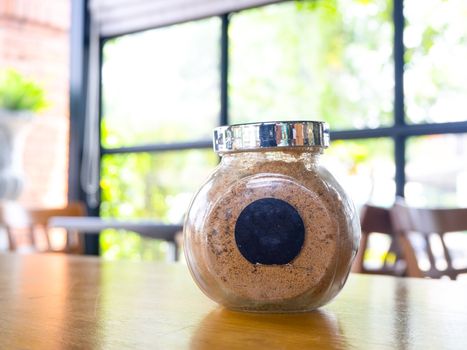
{"x": 271, "y": 231}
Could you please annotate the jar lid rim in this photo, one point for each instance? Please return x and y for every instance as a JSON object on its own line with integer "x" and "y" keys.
{"x": 272, "y": 134}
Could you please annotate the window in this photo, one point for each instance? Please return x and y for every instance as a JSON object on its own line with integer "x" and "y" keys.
{"x": 436, "y": 52}
{"x": 292, "y": 61}
{"x": 387, "y": 75}
{"x": 158, "y": 87}
{"x": 437, "y": 170}
{"x": 162, "y": 85}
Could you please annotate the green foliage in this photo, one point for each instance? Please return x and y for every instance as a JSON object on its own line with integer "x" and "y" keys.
{"x": 329, "y": 8}
{"x": 131, "y": 246}
{"x": 156, "y": 186}
{"x": 20, "y": 94}
{"x": 313, "y": 59}
{"x": 357, "y": 152}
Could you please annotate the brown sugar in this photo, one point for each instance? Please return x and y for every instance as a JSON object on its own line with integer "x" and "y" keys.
{"x": 315, "y": 275}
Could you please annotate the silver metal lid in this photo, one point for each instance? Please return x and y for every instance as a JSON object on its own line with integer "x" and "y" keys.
{"x": 254, "y": 136}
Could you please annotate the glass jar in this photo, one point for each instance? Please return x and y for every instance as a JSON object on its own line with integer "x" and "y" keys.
{"x": 271, "y": 230}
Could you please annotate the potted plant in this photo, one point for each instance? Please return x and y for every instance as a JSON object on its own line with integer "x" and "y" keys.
{"x": 20, "y": 99}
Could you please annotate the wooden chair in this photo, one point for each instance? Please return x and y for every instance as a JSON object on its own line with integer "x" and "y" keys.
{"x": 16, "y": 222}
{"x": 377, "y": 220}
{"x": 424, "y": 223}
{"x": 39, "y": 222}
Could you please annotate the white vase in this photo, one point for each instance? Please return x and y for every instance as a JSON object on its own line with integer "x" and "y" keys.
{"x": 12, "y": 133}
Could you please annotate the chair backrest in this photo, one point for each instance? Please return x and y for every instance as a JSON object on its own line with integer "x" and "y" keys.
{"x": 15, "y": 220}
{"x": 39, "y": 217}
{"x": 377, "y": 220}
{"x": 426, "y": 222}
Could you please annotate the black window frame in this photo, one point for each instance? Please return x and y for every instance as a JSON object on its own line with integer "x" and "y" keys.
{"x": 399, "y": 131}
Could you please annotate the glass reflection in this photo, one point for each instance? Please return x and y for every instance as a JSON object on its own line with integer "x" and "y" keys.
{"x": 316, "y": 330}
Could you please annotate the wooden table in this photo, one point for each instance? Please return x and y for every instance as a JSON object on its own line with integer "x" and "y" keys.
{"x": 55, "y": 301}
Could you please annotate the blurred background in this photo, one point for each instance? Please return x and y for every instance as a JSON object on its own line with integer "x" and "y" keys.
{"x": 130, "y": 92}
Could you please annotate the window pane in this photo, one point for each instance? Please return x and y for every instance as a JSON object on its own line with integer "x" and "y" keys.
{"x": 437, "y": 171}
{"x": 324, "y": 60}
{"x": 161, "y": 85}
{"x": 365, "y": 168}
{"x": 156, "y": 186}
{"x": 436, "y": 56}
{"x": 131, "y": 246}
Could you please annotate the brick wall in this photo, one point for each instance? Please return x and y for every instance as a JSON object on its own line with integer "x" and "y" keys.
{"x": 34, "y": 39}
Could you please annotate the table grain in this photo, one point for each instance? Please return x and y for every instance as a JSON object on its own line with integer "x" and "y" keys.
{"x": 65, "y": 302}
